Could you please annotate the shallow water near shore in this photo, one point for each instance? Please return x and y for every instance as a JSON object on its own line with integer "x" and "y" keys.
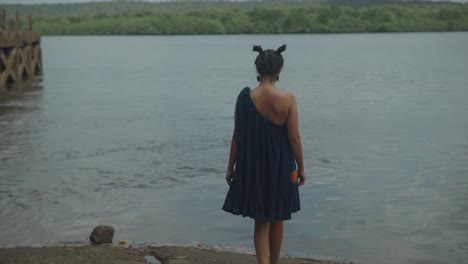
{"x": 134, "y": 132}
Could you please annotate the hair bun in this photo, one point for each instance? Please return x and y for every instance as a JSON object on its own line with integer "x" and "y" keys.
{"x": 281, "y": 49}
{"x": 257, "y": 49}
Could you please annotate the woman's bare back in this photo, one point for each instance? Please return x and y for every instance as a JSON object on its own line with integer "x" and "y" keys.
{"x": 273, "y": 103}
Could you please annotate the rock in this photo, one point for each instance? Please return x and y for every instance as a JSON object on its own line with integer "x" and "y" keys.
{"x": 102, "y": 234}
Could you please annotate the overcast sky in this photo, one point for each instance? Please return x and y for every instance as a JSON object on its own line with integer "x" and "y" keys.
{"x": 56, "y": 1}
{"x": 76, "y": 1}
{"x": 59, "y": 1}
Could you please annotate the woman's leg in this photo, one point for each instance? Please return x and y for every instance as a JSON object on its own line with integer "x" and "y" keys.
{"x": 276, "y": 238}
{"x": 261, "y": 232}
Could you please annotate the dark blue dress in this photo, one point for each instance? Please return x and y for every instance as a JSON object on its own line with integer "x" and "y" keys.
{"x": 261, "y": 186}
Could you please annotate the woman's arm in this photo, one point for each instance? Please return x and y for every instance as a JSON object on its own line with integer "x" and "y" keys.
{"x": 232, "y": 153}
{"x": 295, "y": 139}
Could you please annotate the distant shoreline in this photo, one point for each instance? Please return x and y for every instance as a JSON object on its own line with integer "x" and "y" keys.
{"x": 251, "y": 17}
{"x": 253, "y": 34}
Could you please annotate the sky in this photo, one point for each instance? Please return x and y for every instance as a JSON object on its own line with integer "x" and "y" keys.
{"x": 57, "y": 1}
{"x": 76, "y": 1}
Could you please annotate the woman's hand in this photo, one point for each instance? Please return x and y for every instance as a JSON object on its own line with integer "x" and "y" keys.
{"x": 229, "y": 175}
{"x": 302, "y": 177}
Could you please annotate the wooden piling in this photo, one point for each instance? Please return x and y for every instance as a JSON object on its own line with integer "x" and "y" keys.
{"x": 30, "y": 25}
{"x": 17, "y": 21}
{"x": 20, "y": 52}
{"x": 3, "y": 20}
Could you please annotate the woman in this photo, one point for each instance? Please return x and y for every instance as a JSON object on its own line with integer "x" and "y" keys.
{"x": 265, "y": 149}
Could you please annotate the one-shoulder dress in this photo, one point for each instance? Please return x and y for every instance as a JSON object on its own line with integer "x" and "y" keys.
{"x": 261, "y": 187}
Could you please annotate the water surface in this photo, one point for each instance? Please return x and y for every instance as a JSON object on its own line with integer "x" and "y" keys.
{"x": 134, "y": 132}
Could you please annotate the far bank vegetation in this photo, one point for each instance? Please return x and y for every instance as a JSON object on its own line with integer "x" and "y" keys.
{"x": 261, "y": 19}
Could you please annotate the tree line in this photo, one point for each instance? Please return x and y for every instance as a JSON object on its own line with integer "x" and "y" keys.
{"x": 261, "y": 20}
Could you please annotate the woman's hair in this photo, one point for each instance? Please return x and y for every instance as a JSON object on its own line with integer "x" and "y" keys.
{"x": 269, "y": 62}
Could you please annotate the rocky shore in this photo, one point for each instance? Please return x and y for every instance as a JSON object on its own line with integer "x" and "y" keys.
{"x": 102, "y": 250}
{"x": 113, "y": 254}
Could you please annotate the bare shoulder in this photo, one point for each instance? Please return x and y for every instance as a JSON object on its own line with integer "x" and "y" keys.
{"x": 288, "y": 97}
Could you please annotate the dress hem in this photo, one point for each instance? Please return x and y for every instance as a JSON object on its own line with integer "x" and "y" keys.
{"x": 258, "y": 218}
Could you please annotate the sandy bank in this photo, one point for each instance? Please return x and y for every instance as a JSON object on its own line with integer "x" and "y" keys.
{"x": 107, "y": 254}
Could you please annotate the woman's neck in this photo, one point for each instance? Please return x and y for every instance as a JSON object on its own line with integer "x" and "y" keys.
{"x": 267, "y": 81}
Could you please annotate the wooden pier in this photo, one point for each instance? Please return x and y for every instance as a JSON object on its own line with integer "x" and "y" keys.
{"x": 20, "y": 52}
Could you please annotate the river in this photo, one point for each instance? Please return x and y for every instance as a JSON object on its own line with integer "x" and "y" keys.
{"x": 135, "y": 131}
